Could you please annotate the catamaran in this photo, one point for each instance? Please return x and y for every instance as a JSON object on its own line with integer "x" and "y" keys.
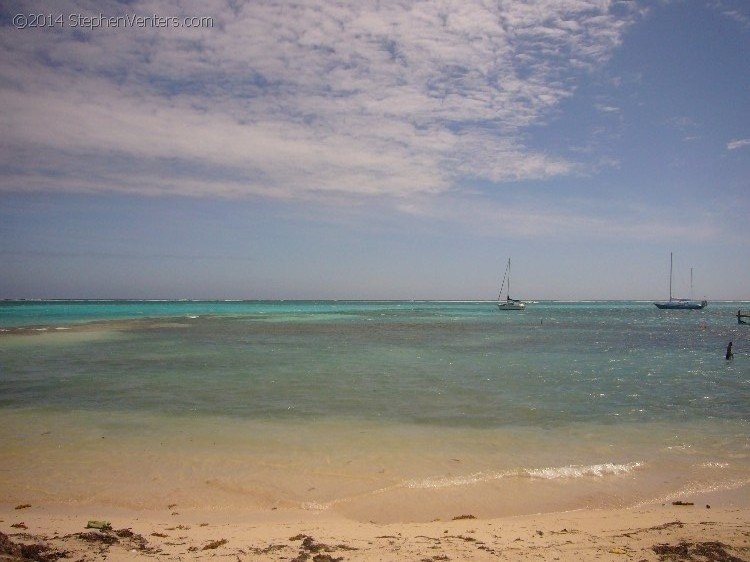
{"x": 680, "y": 304}
{"x": 508, "y": 303}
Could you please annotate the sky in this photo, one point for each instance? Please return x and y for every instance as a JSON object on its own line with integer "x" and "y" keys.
{"x": 374, "y": 149}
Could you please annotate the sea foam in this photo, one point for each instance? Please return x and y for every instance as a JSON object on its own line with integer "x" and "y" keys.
{"x": 548, "y": 473}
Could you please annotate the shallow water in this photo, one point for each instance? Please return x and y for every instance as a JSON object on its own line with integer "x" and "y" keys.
{"x": 379, "y": 410}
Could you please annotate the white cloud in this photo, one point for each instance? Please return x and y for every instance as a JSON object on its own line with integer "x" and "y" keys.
{"x": 740, "y": 143}
{"x": 306, "y": 100}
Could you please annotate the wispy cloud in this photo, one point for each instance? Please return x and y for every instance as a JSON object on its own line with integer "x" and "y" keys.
{"x": 736, "y": 144}
{"x": 733, "y": 9}
{"x": 315, "y": 100}
{"x": 579, "y": 219}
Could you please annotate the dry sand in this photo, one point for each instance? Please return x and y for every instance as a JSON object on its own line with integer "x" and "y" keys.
{"x": 711, "y": 527}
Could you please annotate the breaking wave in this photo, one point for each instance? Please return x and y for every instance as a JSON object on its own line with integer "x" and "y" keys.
{"x": 548, "y": 473}
{"x": 598, "y": 470}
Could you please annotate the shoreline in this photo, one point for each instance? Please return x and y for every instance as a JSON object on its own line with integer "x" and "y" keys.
{"x": 713, "y": 525}
{"x": 359, "y": 471}
{"x": 387, "y": 473}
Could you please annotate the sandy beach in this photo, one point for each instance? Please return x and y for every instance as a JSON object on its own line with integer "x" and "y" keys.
{"x": 706, "y": 527}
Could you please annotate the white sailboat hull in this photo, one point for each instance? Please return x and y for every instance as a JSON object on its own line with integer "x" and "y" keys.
{"x": 512, "y": 305}
{"x": 679, "y": 304}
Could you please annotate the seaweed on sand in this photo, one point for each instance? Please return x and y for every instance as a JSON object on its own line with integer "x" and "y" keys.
{"x": 37, "y": 552}
{"x": 711, "y": 551}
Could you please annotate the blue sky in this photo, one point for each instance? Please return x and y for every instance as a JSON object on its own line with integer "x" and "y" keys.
{"x": 375, "y": 149}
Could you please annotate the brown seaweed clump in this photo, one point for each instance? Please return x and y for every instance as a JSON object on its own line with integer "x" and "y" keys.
{"x": 318, "y": 552}
{"x": 710, "y": 551}
{"x": 36, "y": 552}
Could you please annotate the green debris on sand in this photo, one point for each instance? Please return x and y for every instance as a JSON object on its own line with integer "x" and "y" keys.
{"x": 101, "y": 525}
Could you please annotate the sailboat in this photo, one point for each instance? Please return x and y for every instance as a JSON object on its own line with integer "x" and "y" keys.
{"x": 508, "y": 303}
{"x": 680, "y": 304}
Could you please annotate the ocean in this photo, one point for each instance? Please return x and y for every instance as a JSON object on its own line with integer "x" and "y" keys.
{"x": 379, "y": 411}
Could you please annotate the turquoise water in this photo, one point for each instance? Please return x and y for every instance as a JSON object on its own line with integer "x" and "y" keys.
{"x": 549, "y": 388}
{"x": 436, "y": 363}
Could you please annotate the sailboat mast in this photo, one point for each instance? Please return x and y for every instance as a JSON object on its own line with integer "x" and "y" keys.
{"x": 502, "y": 285}
{"x": 670, "y": 275}
{"x": 509, "y": 278}
{"x": 691, "y": 283}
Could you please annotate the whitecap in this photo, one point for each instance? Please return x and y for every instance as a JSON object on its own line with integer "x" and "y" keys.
{"x": 573, "y": 471}
{"x": 714, "y": 465}
{"x": 548, "y": 473}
